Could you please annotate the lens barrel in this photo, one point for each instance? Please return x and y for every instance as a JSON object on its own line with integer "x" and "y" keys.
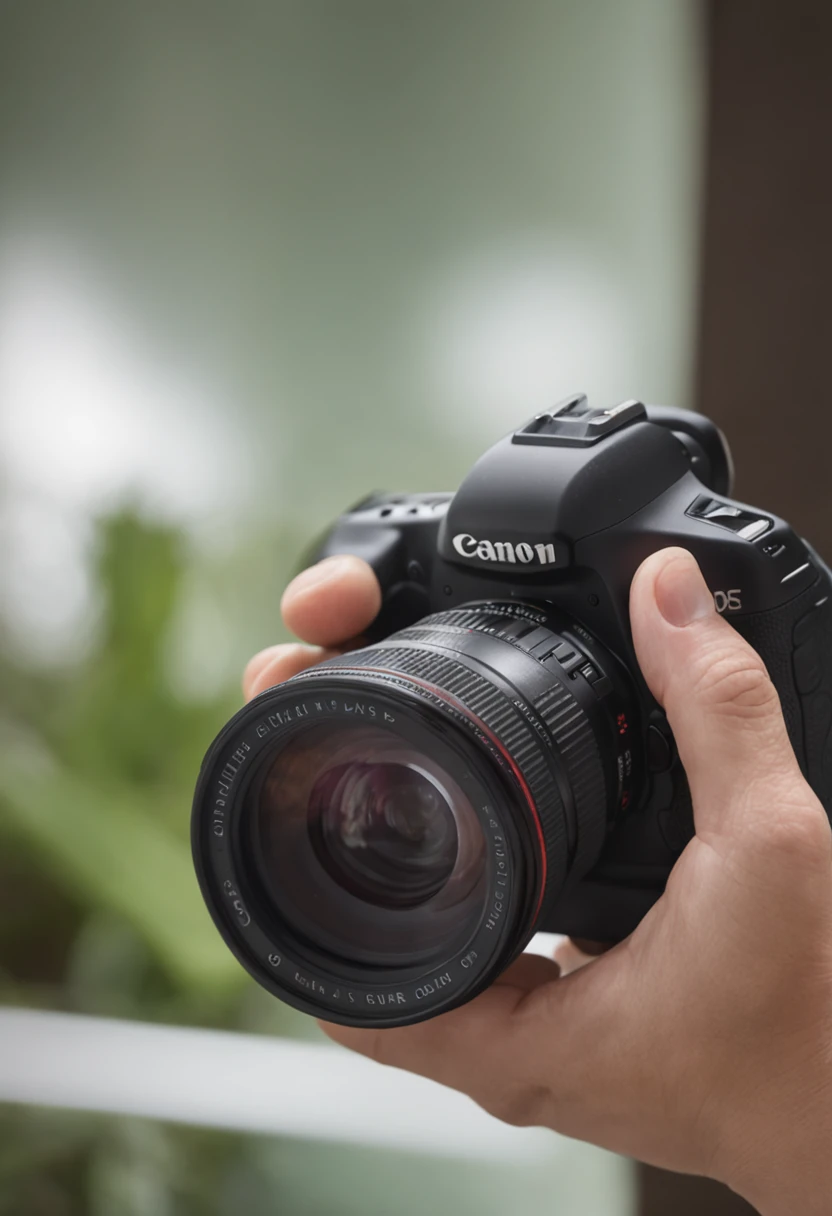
{"x": 377, "y": 838}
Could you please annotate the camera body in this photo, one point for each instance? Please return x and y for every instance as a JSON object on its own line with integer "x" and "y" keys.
{"x": 379, "y": 836}
{"x": 555, "y": 519}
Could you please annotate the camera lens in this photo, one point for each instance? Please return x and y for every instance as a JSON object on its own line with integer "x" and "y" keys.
{"x": 377, "y": 838}
{"x": 365, "y": 844}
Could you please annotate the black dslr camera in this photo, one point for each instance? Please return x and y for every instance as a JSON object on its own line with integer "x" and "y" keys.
{"x": 377, "y": 838}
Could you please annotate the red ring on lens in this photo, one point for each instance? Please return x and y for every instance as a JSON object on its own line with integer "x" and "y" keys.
{"x": 481, "y": 726}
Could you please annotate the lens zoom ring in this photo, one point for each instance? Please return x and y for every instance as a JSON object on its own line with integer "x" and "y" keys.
{"x": 494, "y": 709}
{"x": 479, "y": 618}
{"x": 573, "y": 736}
{"x": 567, "y": 724}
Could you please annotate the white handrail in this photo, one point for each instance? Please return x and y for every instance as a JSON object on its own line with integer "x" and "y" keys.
{"x": 244, "y": 1082}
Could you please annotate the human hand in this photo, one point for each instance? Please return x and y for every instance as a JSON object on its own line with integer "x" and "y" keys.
{"x": 702, "y": 1043}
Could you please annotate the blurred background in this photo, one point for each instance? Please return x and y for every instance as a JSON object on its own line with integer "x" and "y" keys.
{"x": 257, "y": 259}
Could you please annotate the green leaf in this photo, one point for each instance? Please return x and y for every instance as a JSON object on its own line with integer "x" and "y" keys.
{"x": 113, "y": 853}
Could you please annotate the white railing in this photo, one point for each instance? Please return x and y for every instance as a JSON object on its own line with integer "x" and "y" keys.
{"x": 244, "y": 1082}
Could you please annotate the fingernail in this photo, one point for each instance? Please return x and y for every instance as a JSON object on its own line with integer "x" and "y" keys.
{"x": 682, "y": 595}
{"x": 322, "y": 572}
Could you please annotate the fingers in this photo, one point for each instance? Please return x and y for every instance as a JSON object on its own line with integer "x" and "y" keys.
{"x": 333, "y": 601}
{"x": 278, "y": 663}
{"x": 489, "y": 1048}
{"x": 328, "y": 604}
{"x": 532, "y": 1049}
{"x": 723, "y": 708}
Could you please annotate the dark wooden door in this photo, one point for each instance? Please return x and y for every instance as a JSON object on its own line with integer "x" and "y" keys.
{"x": 765, "y": 343}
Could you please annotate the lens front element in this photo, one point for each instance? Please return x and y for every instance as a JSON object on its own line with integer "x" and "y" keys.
{"x": 367, "y": 843}
{"x": 384, "y": 831}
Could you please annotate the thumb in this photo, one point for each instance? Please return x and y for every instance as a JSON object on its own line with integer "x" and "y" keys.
{"x": 720, "y": 702}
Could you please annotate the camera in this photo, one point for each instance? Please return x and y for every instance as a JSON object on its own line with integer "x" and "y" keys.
{"x": 378, "y": 837}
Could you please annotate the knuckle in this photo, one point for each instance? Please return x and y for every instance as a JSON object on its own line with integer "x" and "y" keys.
{"x": 280, "y": 664}
{"x": 735, "y": 682}
{"x": 795, "y": 834}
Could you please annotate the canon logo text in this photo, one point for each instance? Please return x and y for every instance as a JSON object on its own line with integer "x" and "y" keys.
{"x": 504, "y": 551}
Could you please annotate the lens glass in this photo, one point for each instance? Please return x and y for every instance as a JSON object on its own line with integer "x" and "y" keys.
{"x": 385, "y": 831}
{"x": 367, "y": 845}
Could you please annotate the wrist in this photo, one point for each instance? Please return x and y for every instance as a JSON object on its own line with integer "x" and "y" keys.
{"x": 783, "y": 1164}
{"x": 788, "y": 1186}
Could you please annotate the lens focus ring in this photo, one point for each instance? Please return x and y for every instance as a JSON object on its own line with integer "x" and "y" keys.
{"x": 567, "y": 724}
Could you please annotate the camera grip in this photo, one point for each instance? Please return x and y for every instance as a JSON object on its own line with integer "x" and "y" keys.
{"x": 795, "y": 642}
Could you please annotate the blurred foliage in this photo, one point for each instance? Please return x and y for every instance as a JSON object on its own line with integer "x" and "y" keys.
{"x": 54, "y": 1163}
{"x": 100, "y": 911}
{"x": 99, "y": 761}
{"x": 57, "y": 1164}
